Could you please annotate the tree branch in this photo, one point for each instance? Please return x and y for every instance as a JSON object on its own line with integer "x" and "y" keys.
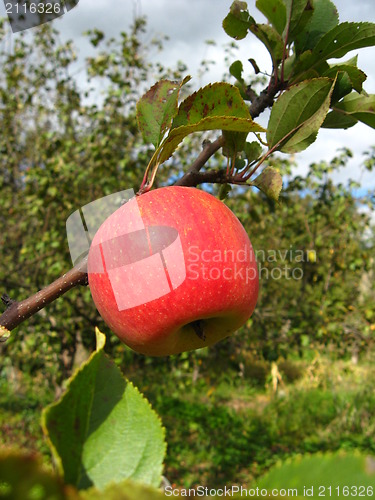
{"x": 17, "y": 312}
{"x": 191, "y": 178}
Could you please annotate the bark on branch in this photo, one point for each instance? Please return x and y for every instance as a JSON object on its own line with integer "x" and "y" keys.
{"x": 17, "y": 312}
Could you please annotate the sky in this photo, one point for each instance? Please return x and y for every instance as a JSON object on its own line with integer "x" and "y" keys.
{"x": 189, "y": 23}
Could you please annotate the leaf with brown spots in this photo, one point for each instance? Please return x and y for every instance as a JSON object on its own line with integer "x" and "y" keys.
{"x": 214, "y": 107}
{"x": 270, "y": 182}
{"x": 178, "y": 134}
{"x": 275, "y": 12}
{"x": 214, "y": 100}
{"x": 157, "y": 108}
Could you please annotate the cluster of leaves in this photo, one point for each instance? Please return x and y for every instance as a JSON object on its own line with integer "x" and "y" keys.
{"x": 217, "y": 106}
{"x": 301, "y": 37}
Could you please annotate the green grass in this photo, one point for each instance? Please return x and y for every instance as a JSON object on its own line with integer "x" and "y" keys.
{"x": 216, "y": 445}
{"x": 228, "y": 428}
{"x": 230, "y": 431}
{"x": 20, "y": 411}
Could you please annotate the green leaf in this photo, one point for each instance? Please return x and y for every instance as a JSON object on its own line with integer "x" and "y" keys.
{"x": 234, "y": 143}
{"x": 218, "y": 99}
{"x": 23, "y": 477}
{"x": 359, "y": 107}
{"x": 235, "y": 69}
{"x": 103, "y": 430}
{"x": 270, "y": 38}
{"x": 298, "y": 114}
{"x": 157, "y": 108}
{"x": 236, "y": 23}
{"x": 274, "y": 11}
{"x": 353, "y": 61}
{"x": 343, "y": 86}
{"x": 127, "y": 490}
{"x": 324, "y": 18}
{"x": 299, "y": 12}
{"x": 338, "y": 42}
{"x": 334, "y": 119}
{"x": 356, "y": 76}
{"x": 252, "y": 150}
{"x": 177, "y": 135}
{"x": 270, "y": 182}
{"x": 307, "y": 74}
{"x": 331, "y": 474}
{"x": 225, "y": 189}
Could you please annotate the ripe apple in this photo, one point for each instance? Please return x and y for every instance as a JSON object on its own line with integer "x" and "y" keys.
{"x": 173, "y": 270}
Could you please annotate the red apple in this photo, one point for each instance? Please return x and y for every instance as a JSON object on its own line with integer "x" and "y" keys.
{"x": 173, "y": 270}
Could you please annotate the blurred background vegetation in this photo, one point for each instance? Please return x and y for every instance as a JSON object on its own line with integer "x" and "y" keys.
{"x": 298, "y": 377}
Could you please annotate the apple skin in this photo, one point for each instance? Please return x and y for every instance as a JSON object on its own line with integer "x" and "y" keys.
{"x": 220, "y": 289}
